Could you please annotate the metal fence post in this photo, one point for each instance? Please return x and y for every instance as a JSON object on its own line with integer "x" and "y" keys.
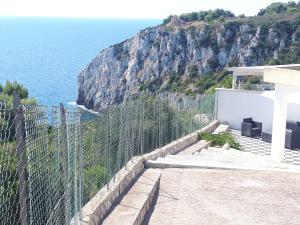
{"x": 107, "y": 147}
{"x": 21, "y": 158}
{"x": 81, "y": 160}
{"x": 64, "y": 147}
{"x": 142, "y": 128}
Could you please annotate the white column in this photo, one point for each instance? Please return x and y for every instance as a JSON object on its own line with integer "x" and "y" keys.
{"x": 233, "y": 81}
{"x": 279, "y": 122}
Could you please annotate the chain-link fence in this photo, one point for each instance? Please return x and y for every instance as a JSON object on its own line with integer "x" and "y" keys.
{"x": 54, "y": 160}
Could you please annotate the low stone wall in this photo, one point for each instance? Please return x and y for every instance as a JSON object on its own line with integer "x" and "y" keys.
{"x": 99, "y": 206}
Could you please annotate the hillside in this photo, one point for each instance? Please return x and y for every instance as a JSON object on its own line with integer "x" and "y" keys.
{"x": 187, "y": 54}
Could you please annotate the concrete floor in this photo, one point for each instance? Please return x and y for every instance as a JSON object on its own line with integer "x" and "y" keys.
{"x": 257, "y": 146}
{"x": 211, "y": 197}
{"x": 215, "y": 158}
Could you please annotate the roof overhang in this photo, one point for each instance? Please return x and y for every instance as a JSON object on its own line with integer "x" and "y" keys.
{"x": 285, "y": 76}
{"x": 259, "y": 70}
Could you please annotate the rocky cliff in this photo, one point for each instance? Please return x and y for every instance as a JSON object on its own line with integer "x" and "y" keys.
{"x": 151, "y": 59}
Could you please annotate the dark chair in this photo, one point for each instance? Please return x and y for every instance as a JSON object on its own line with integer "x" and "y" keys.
{"x": 292, "y": 135}
{"x": 251, "y": 128}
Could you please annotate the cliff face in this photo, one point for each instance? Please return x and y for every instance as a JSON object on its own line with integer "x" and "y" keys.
{"x": 180, "y": 48}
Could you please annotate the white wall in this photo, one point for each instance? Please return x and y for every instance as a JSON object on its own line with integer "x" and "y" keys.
{"x": 235, "y": 105}
{"x": 293, "y": 113}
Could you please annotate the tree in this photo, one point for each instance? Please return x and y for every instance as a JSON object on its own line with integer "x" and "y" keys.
{"x": 261, "y": 12}
{"x": 222, "y": 18}
{"x": 9, "y": 88}
{"x": 278, "y": 7}
{"x": 6, "y": 94}
{"x": 9, "y": 183}
{"x": 207, "y": 16}
{"x": 168, "y": 19}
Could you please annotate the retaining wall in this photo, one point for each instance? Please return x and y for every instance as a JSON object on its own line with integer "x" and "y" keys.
{"x": 99, "y": 206}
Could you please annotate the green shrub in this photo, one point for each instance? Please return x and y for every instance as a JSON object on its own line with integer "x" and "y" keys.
{"x": 94, "y": 179}
{"x": 193, "y": 71}
{"x": 234, "y": 62}
{"x": 220, "y": 139}
{"x": 222, "y": 19}
{"x": 209, "y": 82}
{"x": 9, "y": 88}
{"x": 207, "y": 16}
{"x": 168, "y": 19}
{"x": 188, "y": 91}
{"x": 278, "y": 8}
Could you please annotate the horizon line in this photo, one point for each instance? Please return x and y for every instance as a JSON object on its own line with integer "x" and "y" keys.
{"x": 82, "y": 17}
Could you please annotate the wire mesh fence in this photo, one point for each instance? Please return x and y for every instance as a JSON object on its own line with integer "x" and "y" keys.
{"x": 54, "y": 160}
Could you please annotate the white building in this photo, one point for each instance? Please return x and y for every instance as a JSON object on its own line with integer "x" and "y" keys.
{"x": 272, "y": 108}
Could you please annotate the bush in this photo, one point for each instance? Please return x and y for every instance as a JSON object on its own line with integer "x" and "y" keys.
{"x": 167, "y": 20}
{"x": 234, "y": 62}
{"x": 94, "y": 179}
{"x": 278, "y": 7}
{"x": 222, "y": 19}
{"x": 209, "y": 82}
{"x": 9, "y": 88}
{"x": 193, "y": 71}
{"x": 220, "y": 139}
{"x": 207, "y": 16}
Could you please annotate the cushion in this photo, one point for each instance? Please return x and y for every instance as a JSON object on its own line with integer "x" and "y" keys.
{"x": 248, "y": 120}
{"x": 292, "y": 125}
{"x": 289, "y": 131}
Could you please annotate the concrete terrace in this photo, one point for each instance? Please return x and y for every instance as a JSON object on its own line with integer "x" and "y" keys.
{"x": 205, "y": 185}
{"x": 233, "y": 187}
{"x": 223, "y": 197}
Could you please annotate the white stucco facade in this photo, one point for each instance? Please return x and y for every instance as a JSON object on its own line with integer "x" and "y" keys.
{"x": 273, "y": 109}
{"x": 287, "y": 84}
{"x": 235, "y": 105}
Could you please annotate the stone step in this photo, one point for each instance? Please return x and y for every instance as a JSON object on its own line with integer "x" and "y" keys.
{"x": 221, "y": 129}
{"x": 132, "y": 208}
{"x": 217, "y": 158}
{"x": 195, "y": 148}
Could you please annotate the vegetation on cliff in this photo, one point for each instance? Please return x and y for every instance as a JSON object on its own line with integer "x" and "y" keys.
{"x": 188, "y": 54}
{"x": 206, "y": 16}
{"x": 279, "y": 8}
{"x": 281, "y": 18}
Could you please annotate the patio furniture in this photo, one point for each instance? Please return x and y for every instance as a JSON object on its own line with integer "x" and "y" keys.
{"x": 292, "y": 135}
{"x": 251, "y": 128}
{"x": 266, "y": 136}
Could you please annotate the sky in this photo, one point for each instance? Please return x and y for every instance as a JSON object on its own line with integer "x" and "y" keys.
{"x": 135, "y": 9}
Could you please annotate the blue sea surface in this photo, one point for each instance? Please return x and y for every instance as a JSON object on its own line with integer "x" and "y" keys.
{"x": 47, "y": 54}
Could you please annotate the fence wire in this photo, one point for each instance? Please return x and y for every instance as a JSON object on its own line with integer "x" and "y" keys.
{"x": 54, "y": 160}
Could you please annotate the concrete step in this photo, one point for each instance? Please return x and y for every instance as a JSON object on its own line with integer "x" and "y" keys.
{"x": 195, "y": 148}
{"x": 132, "y": 208}
{"x": 221, "y": 129}
{"x": 217, "y": 158}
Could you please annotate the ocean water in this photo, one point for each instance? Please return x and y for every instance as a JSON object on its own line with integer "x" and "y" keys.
{"x": 47, "y": 54}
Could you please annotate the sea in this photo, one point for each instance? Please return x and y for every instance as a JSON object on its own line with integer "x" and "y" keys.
{"x": 47, "y": 54}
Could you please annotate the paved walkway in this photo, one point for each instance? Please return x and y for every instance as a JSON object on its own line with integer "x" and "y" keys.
{"x": 223, "y": 197}
{"x": 226, "y": 187}
{"x": 257, "y": 146}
